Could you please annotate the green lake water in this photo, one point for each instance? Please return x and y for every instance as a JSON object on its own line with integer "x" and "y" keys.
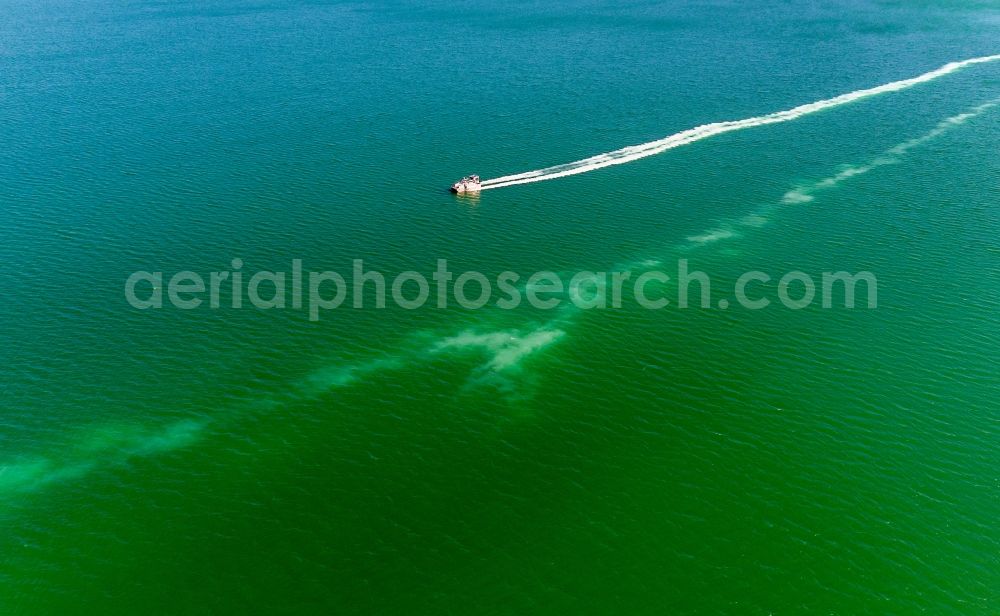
{"x": 630, "y": 461}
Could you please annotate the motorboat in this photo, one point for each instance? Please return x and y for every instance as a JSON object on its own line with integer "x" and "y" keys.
{"x": 468, "y": 184}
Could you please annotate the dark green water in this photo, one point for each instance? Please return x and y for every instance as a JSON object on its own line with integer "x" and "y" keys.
{"x": 389, "y": 461}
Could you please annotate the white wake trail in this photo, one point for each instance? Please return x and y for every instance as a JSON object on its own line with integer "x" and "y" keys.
{"x": 635, "y": 152}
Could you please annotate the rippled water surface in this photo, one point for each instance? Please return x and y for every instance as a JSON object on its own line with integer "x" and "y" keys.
{"x": 503, "y": 462}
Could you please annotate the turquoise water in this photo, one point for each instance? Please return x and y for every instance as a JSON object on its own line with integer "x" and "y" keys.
{"x": 454, "y": 461}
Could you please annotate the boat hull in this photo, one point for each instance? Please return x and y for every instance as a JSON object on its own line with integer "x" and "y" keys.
{"x": 465, "y": 187}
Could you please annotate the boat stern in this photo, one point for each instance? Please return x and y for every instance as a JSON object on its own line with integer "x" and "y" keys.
{"x": 468, "y": 184}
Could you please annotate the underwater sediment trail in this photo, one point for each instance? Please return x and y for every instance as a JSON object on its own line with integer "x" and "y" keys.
{"x": 503, "y": 351}
{"x": 635, "y": 152}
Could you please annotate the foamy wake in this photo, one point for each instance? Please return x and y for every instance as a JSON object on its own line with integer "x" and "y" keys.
{"x": 804, "y": 194}
{"x": 635, "y": 152}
